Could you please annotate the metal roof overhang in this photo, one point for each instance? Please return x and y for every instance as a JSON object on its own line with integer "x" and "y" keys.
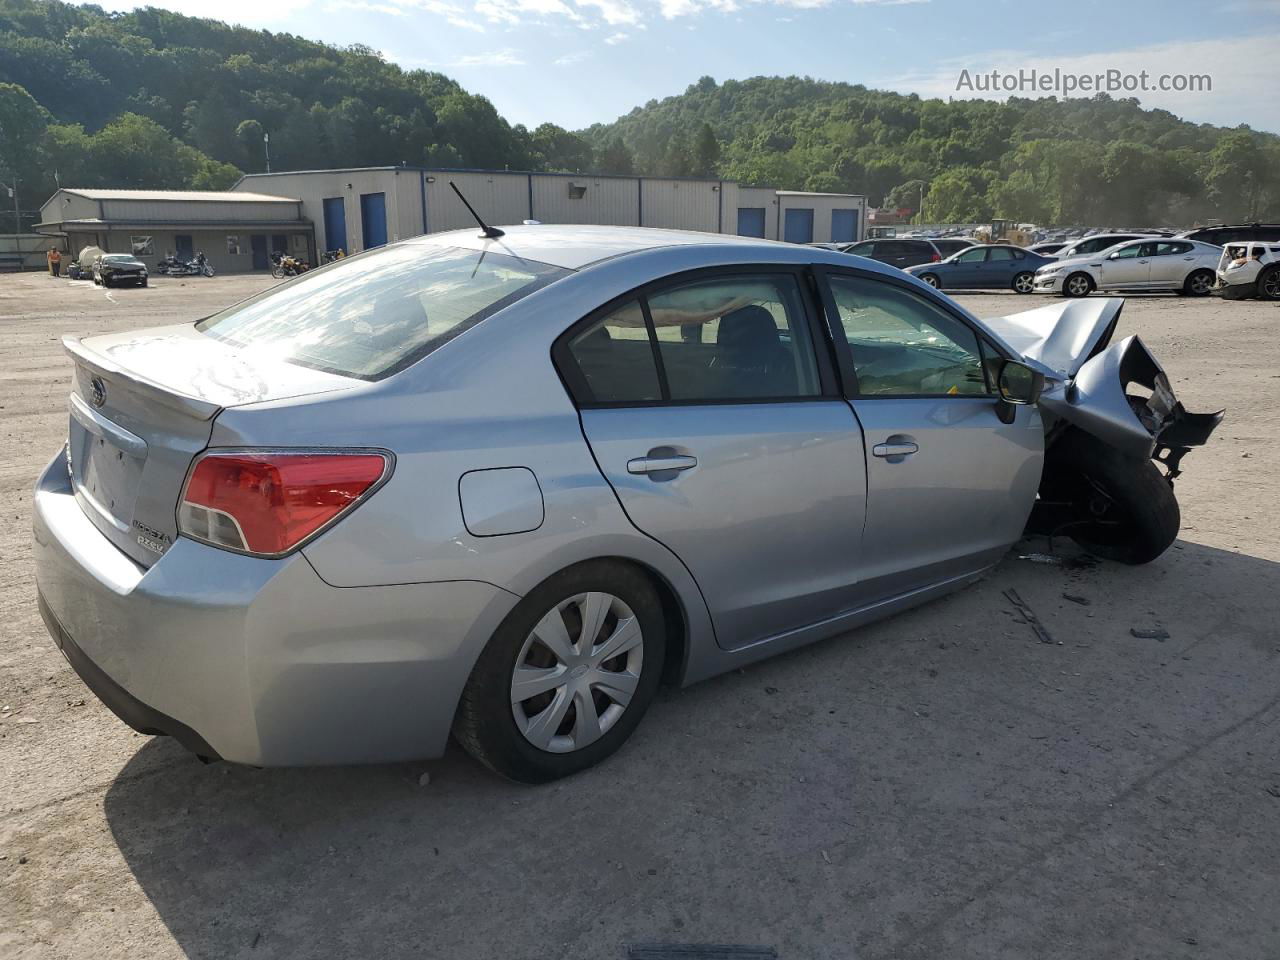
{"x": 64, "y": 226}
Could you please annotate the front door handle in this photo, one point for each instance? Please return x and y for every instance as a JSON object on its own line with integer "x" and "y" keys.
{"x": 660, "y": 464}
{"x": 895, "y": 447}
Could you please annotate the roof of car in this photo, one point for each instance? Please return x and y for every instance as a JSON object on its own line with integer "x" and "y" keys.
{"x": 573, "y": 246}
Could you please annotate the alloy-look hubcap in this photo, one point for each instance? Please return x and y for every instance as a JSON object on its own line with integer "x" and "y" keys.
{"x": 577, "y": 672}
{"x": 1023, "y": 284}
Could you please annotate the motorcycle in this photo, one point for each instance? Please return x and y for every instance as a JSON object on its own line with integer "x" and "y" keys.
{"x": 283, "y": 265}
{"x": 173, "y": 266}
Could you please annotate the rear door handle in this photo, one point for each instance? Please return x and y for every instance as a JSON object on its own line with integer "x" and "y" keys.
{"x": 895, "y": 447}
{"x": 660, "y": 464}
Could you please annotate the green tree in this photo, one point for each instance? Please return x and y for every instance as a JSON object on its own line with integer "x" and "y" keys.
{"x": 706, "y": 152}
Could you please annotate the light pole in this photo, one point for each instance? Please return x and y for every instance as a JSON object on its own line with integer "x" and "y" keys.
{"x": 920, "y": 206}
{"x": 266, "y": 147}
{"x": 17, "y": 221}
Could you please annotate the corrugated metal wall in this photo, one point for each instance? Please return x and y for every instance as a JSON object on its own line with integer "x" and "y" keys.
{"x": 680, "y": 204}
{"x": 64, "y": 206}
{"x": 497, "y": 197}
{"x": 588, "y": 199}
{"x": 196, "y": 211}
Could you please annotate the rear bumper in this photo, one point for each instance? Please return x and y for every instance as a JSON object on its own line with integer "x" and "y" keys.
{"x": 257, "y": 661}
{"x": 120, "y": 701}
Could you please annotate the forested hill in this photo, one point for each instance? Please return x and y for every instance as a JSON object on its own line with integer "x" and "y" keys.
{"x": 1074, "y": 161}
{"x": 156, "y": 99}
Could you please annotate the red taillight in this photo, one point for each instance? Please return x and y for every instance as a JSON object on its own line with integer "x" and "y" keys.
{"x": 267, "y": 502}
{"x": 935, "y": 258}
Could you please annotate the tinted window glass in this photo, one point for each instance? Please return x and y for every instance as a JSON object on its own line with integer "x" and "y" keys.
{"x": 902, "y": 344}
{"x": 1000, "y": 253}
{"x": 370, "y": 315}
{"x": 1172, "y": 247}
{"x": 615, "y": 358}
{"x": 734, "y": 338}
{"x": 861, "y": 249}
{"x": 976, "y": 255}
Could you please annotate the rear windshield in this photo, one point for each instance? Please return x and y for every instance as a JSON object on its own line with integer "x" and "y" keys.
{"x": 372, "y": 315}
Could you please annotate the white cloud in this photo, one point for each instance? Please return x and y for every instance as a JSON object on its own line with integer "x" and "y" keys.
{"x": 519, "y": 11}
{"x": 614, "y": 12}
{"x": 505, "y": 57}
{"x": 569, "y": 59}
{"x": 615, "y": 39}
{"x": 1244, "y": 73}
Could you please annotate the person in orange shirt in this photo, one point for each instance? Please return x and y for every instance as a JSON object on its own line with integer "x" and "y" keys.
{"x": 55, "y": 262}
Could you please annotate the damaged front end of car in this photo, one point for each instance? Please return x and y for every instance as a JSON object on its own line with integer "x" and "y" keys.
{"x": 1115, "y": 434}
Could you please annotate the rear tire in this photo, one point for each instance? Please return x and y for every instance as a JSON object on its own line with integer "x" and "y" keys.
{"x": 1024, "y": 282}
{"x": 1269, "y": 284}
{"x": 932, "y": 280}
{"x": 1125, "y": 507}
{"x": 1077, "y": 285}
{"x": 486, "y": 723}
{"x": 1199, "y": 283}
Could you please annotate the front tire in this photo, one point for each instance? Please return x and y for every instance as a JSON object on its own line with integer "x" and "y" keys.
{"x": 1077, "y": 285}
{"x": 567, "y": 676}
{"x": 1024, "y": 282}
{"x": 1199, "y": 283}
{"x": 1124, "y": 508}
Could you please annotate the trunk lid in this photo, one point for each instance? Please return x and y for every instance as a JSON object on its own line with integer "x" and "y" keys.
{"x": 142, "y": 408}
{"x": 1062, "y": 336}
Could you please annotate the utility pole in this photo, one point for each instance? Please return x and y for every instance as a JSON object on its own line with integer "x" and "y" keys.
{"x": 266, "y": 146}
{"x": 920, "y": 207}
{"x": 17, "y": 221}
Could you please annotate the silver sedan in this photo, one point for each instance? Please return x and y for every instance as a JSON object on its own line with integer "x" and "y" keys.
{"x": 506, "y": 486}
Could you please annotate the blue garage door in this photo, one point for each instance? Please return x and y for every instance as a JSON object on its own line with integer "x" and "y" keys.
{"x": 259, "y": 245}
{"x": 844, "y": 226}
{"x": 373, "y": 219}
{"x": 335, "y": 224}
{"x": 183, "y": 246}
{"x": 798, "y": 226}
{"x": 751, "y": 221}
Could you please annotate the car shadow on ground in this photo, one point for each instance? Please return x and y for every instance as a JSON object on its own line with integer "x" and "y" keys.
{"x": 941, "y": 780}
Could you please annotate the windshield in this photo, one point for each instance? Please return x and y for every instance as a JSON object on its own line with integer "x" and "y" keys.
{"x": 371, "y": 315}
{"x": 119, "y": 258}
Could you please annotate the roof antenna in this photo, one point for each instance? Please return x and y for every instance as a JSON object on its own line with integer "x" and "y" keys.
{"x": 486, "y": 231}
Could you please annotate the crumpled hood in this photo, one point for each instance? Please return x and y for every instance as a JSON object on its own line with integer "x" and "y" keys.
{"x": 1061, "y": 336}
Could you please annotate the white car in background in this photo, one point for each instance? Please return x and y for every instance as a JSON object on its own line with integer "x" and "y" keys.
{"x": 1249, "y": 270}
{"x": 1181, "y": 266}
{"x": 1094, "y": 244}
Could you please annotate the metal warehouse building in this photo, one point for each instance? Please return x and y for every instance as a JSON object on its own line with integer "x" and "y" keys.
{"x": 359, "y": 208}
{"x": 308, "y": 212}
{"x": 234, "y": 229}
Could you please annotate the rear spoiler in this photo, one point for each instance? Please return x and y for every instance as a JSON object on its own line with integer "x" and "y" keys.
{"x": 183, "y": 403}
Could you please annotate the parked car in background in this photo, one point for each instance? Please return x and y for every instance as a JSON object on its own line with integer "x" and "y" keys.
{"x": 648, "y": 456}
{"x": 1248, "y": 270}
{"x": 1044, "y": 249}
{"x": 988, "y": 266}
{"x": 1235, "y": 233}
{"x": 1180, "y": 266}
{"x": 900, "y": 252}
{"x": 948, "y": 245}
{"x": 1093, "y": 243}
{"x": 114, "y": 269}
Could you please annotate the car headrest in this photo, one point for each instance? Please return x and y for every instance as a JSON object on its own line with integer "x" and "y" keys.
{"x": 747, "y": 327}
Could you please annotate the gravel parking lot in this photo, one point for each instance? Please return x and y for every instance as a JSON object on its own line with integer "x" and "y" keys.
{"x": 939, "y": 785}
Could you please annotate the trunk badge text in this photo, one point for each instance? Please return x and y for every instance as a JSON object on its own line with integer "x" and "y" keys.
{"x": 97, "y": 392}
{"x": 154, "y": 540}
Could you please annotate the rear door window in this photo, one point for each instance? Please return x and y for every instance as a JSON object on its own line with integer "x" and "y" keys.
{"x": 721, "y": 339}
{"x": 371, "y": 315}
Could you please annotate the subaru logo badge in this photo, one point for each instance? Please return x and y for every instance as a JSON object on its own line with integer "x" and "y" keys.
{"x": 98, "y": 392}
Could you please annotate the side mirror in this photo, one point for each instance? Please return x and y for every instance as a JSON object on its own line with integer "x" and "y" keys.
{"x": 1018, "y": 383}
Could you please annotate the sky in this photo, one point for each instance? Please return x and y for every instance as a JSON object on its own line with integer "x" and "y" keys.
{"x": 578, "y": 62}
